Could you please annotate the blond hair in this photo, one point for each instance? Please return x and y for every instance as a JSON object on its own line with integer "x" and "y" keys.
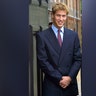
{"x": 60, "y": 6}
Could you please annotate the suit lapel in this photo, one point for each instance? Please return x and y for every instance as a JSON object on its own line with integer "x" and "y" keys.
{"x": 53, "y": 40}
{"x": 64, "y": 45}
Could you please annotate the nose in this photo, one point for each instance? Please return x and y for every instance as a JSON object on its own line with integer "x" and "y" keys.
{"x": 61, "y": 17}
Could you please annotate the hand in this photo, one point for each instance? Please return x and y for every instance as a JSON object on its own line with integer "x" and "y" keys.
{"x": 65, "y": 81}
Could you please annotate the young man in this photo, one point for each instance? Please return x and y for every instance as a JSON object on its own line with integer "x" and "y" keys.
{"x": 58, "y": 54}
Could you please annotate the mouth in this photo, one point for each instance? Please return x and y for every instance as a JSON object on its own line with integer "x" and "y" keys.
{"x": 60, "y": 23}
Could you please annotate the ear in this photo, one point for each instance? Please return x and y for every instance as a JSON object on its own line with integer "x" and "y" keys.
{"x": 52, "y": 15}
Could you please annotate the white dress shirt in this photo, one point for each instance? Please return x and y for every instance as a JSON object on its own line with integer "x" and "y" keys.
{"x": 56, "y": 31}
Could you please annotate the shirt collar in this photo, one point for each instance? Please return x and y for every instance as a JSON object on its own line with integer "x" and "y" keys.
{"x": 56, "y": 29}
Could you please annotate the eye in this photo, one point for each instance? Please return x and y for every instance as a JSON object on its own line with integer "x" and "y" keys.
{"x": 63, "y": 15}
{"x": 58, "y": 15}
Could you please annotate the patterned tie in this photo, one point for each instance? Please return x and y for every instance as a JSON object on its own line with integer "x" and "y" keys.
{"x": 59, "y": 38}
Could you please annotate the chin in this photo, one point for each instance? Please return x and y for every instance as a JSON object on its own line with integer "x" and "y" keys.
{"x": 60, "y": 26}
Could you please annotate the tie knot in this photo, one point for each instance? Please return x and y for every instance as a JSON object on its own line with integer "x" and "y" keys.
{"x": 58, "y": 30}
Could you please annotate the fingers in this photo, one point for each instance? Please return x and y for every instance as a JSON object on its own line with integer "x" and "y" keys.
{"x": 63, "y": 86}
{"x": 64, "y": 82}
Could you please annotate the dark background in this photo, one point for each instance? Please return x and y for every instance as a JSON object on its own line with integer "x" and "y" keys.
{"x": 89, "y": 48}
{"x": 14, "y": 39}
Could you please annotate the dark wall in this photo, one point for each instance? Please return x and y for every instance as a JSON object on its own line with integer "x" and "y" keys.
{"x": 14, "y": 38}
{"x": 89, "y": 48}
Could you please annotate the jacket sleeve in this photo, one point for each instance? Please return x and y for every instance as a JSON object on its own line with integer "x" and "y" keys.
{"x": 76, "y": 58}
{"x": 43, "y": 62}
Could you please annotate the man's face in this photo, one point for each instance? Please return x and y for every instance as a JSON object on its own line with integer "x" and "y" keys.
{"x": 59, "y": 18}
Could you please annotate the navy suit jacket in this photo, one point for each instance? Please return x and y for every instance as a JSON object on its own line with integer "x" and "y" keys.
{"x": 56, "y": 62}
